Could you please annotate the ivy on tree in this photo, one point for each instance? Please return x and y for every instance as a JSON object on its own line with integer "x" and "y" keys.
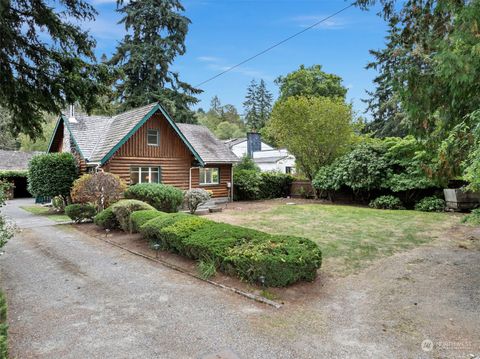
{"x": 46, "y": 61}
{"x": 156, "y": 32}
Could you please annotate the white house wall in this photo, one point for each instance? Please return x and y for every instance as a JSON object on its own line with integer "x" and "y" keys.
{"x": 240, "y": 149}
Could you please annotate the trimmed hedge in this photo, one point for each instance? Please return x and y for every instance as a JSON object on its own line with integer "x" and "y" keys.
{"x": 139, "y": 218}
{"x": 163, "y": 197}
{"x": 106, "y": 219}
{"x": 249, "y": 254}
{"x": 80, "y": 212}
{"x": 252, "y": 184}
{"x": 124, "y": 208}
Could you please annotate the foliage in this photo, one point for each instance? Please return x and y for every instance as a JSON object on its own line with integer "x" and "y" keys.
{"x": 252, "y": 255}
{"x": 106, "y": 219}
{"x": 46, "y": 61}
{"x": 246, "y": 184}
{"x": 7, "y": 174}
{"x": 52, "y": 174}
{"x": 246, "y": 163}
{"x": 275, "y": 185}
{"x": 386, "y": 202}
{"x": 196, "y": 197}
{"x": 430, "y": 204}
{"x": 101, "y": 189}
{"x": 7, "y": 140}
{"x": 80, "y": 212}
{"x": 311, "y": 81}
{"x": 3, "y": 327}
{"x": 156, "y": 32}
{"x": 472, "y": 164}
{"x": 124, "y": 208}
{"x": 41, "y": 142}
{"x": 472, "y": 218}
{"x": 257, "y": 105}
{"x": 223, "y": 120}
{"x": 6, "y": 228}
{"x": 315, "y": 130}
{"x": 163, "y": 197}
{"x": 58, "y": 204}
{"x": 206, "y": 268}
{"x": 139, "y": 218}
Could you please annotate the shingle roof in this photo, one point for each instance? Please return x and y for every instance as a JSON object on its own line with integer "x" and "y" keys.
{"x": 269, "y": 159}
{"x": 208, "y": 147}
{"x": 97, "y": 136}
{"x": 15, "y": 160}
{"x": 234, "y": 141}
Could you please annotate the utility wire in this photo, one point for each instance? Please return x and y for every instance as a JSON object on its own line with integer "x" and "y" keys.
{"x": 275, "y": 45}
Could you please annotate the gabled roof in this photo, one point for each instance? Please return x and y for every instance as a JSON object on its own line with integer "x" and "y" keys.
{"x": 209, "y": 148}
{"x": 234, "y": 141}
{"x": 15, "y": 160}
{"x": 99, "y": 137}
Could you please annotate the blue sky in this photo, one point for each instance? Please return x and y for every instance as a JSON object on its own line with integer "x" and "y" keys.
{"x": 225, "y": 32}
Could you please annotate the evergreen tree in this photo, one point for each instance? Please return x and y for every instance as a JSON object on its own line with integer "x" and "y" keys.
{"x": 264, "y": 104}
{"x": 156, "y": 31}
{"x": 46, "y": 60}
{"x": 250, "y": 107}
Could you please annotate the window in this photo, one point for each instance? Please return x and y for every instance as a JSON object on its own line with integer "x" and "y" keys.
{"x": 153, "y": 137}
{"x": 209, "y": 176}
{"x": 144, "y": 175}
{"x": 288, "y": 169}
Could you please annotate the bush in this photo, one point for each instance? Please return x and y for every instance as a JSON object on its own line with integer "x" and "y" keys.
{"x": 246, "y": 163}
{"x": 472, "y": 218}
{"x": 3, "y": 327}
{"x": 386, "y": 202}
{"x": 430, "y": 204}
{"x": 206, "y": 268}
{"x": 139, "y": 218}
{"x": 101, "y": 188}
{"x": 196, "y": 197}
{"x": 252, "y": 255}
{"x": 275, "y": 185}
{"x": 80, "y": 212}
{"x": 163, "y": 197}
{"x": 52, "y": 174}
{"x": 124, "y": 208}
{"x": 106, "y": 219}
{"x": 247, "y": 184}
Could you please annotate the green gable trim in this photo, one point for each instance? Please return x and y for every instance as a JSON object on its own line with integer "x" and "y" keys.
{"x": 65, "y": 123}
{"x": 141, "y": 123}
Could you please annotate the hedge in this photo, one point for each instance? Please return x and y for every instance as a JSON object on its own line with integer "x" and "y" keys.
{"x": 80, "y": 212}
{"x": 139, "y": 218}
{"x": 163, "y": 197}
{"x": 252, "y": 184}
{"x": 249, "y": 254}
{"x": 124, "y": 208}
{"x": 7, "y": 174}
{"x": 106, "y": 219}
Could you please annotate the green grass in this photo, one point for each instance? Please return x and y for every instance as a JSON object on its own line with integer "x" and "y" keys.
{"x": 44, "y": 211}
{"x": 350, "y": 237}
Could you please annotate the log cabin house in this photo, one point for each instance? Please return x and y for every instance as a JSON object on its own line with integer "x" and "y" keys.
{"x": 145, "y": 145}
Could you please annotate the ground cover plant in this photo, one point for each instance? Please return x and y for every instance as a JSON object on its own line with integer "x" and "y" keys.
{"x": 473, "y": 218}
{"x": 139, "y": 218}
{"x": 350, "y": 237}
{"x": 252, "y": 255}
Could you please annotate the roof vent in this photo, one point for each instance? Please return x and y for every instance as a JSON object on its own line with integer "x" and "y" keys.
{"x": 71, "y": 114}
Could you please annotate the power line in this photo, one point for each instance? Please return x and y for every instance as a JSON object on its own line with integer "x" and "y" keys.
{"x": 275, "y": 45}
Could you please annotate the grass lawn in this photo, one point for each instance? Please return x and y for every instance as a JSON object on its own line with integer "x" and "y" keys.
{"x": 44, "y": 211}
{"x": 350, "y": 237}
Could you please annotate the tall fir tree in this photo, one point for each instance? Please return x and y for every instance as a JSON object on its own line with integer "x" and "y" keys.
{"x": 156, "y": 31}
{"x": 257, "y": 105}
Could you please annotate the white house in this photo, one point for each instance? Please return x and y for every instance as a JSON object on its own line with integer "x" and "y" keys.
{"x": 264, "y": 155}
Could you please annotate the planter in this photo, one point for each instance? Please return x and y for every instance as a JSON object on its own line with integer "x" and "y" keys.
{"x": 459, "y": 200}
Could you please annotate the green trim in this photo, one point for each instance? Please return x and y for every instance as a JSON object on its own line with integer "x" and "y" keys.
{"x": 140, "y": 124}
{"x": 65, "y": 123}
{"x": 54, "y": 133}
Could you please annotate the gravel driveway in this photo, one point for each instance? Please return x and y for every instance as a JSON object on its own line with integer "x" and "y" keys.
{"x": 73, "y": 296}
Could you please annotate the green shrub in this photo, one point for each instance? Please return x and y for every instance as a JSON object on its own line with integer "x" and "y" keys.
{"x": 275, "y": 261}
{"x": 472, "y": 218}
{"x": 206, "y": 268}
{"x": 386, "y": 202}
{"x": 124, "y": 208}
{"x": 246, "y": 184}
{"x": 106, "y": 219}
{"x": 430, "y": 204}
{"x": 275, "y": 185}
{"x": 139, "y": 218}
{"x": 52, "y": 174}
{"x": 163, "y": 197}
{"x": 3, "y": 327}
{"x": 80, "y": 212}
{"x": 196, "y": 197}
{"x": 247, "y": 253}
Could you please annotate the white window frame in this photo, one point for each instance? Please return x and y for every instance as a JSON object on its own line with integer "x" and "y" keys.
{"x": 139, "y": 170}
{"x": 202, "y": 181}
{"x": 157, "y": 134}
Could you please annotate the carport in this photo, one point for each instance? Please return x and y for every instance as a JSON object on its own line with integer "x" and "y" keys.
{"x": 13, "y": 169}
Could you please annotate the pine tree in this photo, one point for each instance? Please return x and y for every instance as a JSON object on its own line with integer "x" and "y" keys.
{"x": 264, "y": 104}
{"x": 250, "y": 107}
{"x": 156, "y": 31}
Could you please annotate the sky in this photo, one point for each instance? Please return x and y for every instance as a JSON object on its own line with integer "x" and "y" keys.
{"x": 225, "y": 32}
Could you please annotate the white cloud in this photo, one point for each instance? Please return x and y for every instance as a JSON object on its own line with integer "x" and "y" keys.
{"x": 333, "y": 23}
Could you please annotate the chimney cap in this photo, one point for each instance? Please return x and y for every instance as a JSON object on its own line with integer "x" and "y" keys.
{"x": 71, "y": 114}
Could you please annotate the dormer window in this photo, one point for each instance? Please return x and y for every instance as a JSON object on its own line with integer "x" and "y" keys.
{"x": 153, "y": 137}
